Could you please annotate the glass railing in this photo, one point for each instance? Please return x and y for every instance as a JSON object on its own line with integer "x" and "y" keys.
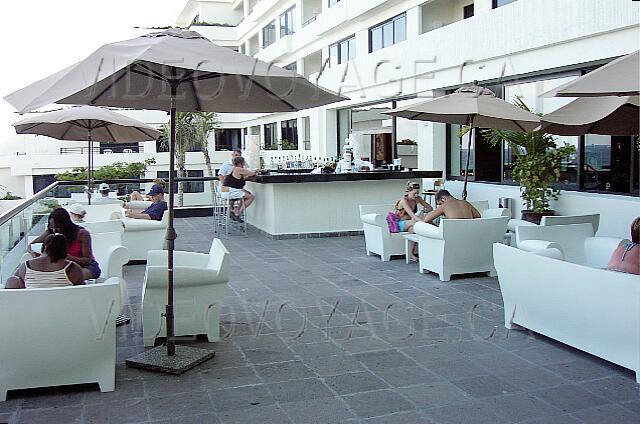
{"x": 28, "y": 219}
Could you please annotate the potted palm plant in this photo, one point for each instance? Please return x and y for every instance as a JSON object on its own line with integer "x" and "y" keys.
{"x": 536, "y": 168}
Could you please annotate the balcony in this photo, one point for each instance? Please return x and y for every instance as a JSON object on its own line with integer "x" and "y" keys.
{"x": 563, "y": 29}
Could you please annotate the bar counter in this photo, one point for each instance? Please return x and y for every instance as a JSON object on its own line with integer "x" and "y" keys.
{"x": 323, "y": 205}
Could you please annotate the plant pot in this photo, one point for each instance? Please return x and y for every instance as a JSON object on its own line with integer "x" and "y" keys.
{"x": 536, "y": 217}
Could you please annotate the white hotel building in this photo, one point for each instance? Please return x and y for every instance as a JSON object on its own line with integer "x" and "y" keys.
{"x": 383, "y": 53}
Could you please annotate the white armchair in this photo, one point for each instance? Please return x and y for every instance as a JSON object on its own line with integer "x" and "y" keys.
{"x": 459, "y": 246}
{"x": 200, "y": 282}
{"x": 593, "y": 219}
{"x": 58, "y": 336}
{"x": 143, "y": 235}
{"x": 377, "y": 237}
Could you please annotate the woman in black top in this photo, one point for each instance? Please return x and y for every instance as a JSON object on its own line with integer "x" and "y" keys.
{"x": 236, "y": 181}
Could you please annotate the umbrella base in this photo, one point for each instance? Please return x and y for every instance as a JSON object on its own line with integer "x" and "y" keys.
{"x": 156, "y": 359}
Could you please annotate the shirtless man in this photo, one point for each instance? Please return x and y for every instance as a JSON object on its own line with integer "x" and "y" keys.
{"x": 451, "y": 208}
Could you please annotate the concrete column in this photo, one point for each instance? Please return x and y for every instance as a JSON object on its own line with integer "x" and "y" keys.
{"x": 298, "y": 16}
{"x": 414, "y": 21}
{"x": 245, "y": 8}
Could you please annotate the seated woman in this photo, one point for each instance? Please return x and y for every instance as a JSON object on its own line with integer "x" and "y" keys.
{"x": 407, "y": 212}
{"x": 236, "y": 181}
{"x": 50, "y": 269}
{"x": 78, "y": 242}
{"x": 626, "y": 258}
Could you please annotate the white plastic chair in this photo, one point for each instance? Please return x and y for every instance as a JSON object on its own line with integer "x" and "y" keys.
{"x": 459, "y": 246}
{"x": 377, "y": 237}
{"x": 200, "y": 282}
{"x": 58, "y": 336}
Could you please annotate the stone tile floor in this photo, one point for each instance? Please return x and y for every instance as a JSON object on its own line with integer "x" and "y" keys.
{"x": 315, "y": 331}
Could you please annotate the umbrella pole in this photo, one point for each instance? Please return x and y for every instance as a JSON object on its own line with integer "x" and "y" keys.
{"x": 90, "y": 164}
{"x": 171, "y": 233}
{"x": 466, "y": 167}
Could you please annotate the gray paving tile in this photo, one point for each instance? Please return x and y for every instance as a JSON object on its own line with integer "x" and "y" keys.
{"x": 283, "y": 371}
{"x": 355, "y": 382}
{"x": 377, "y": 403}
{"x": 265, "y": 356}
{"x": 476, "y": 412}
{"x": 484, "y": 386}
{"x": 213, "y": 379}
{"x": 433, "y": 395}
{"x": 118, "y": 411}
{"x": 180, "y": 405}
{"x": 410, "y": 417}
{"x": 407, "y": 376}
{"x": 268, "y": 414}
{"x": 570, "y": 398}
{"x": 607, "y": 414}
{"x": 530, "y": 378}
{"x": 297, "y": 390}
{"x": 241, "y": 398}
{"x": 521, "y": 406}
{"x": 384, "y": 359}
{"x": 191, "y": 419}
{"x": 316, "y": 350}
{"x": 581, "y": 369}
{"x": 455, "y": 368}
{"x": 334, "y": 365}
{"x": 65, "y": 414}
{"x": 325, "y": 410}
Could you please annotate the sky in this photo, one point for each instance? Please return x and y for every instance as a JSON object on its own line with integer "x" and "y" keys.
{"x": 40, "y": 37}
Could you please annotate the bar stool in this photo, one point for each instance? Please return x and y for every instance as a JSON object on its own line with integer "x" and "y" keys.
{"x": 222, "y": 210}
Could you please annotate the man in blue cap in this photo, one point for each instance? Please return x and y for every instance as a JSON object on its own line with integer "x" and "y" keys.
{"x": 157, "y": 208}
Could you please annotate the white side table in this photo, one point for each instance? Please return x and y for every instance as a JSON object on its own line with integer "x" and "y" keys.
{"x": 407, "y": 252}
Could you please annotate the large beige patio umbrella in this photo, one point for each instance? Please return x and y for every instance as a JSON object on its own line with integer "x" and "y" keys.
{"x": 174, "y": 70}
{"x": 620, "y": 77}
{"x": 87, "y": 123}
{"x": 595, "y": 115}
{"x": 474, "y": 106}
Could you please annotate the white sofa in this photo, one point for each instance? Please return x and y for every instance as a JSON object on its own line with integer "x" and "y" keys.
{"x": 377, "y": 237}
{"x": 594, "y": 310}
{"x": 58, "y": 336}
{"x": 459, "y": 246}
{"x": 144, "y": 235}
{"x": 577, "y": 242}
{"x": 200, "y": 282}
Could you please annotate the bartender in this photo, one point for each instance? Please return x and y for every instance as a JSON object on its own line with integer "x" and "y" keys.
{"x": 347, "y": 164}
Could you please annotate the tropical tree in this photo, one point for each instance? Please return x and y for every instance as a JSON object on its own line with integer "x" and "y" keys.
{"x": 537, "y": 164}
{"x": 192, "y": 133}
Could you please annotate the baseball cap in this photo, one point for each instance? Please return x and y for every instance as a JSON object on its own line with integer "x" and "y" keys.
{"x": 155, "y": 189}
{"x": 77, "y": 209}
{"x": 104, "y": 187}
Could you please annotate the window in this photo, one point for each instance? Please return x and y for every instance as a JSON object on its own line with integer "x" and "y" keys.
{"x": 293, "y": 66}
{"x": 269, "y": 34}
{"x": 289, "y": 133}
{"x": 388, "y": 33}
{"x": 287, "y": 22}
{"x": 187, "y": 186}
{"x": 608, "y": 164}
{"x": 342, "y": 51}
{"x": 333, "y": 2}
{"x": 467, "y": 11}
{"x": 498, "y": 3}
{"x": 228, "y": 139}
{"x": 271, "y": 136}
